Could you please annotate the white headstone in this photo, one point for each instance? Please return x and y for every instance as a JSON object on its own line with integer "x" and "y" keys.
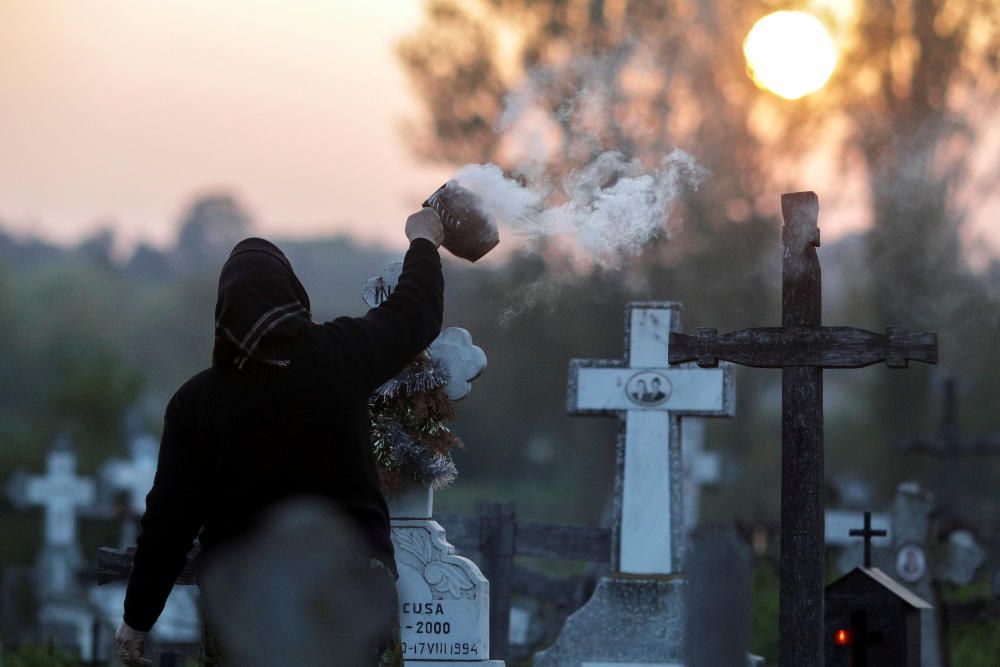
{"x": 651, "y": 397}
{"x": 444, "y": 599}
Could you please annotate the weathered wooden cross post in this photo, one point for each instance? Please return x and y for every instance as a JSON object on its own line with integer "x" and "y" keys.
{"x": 802, "y": 348}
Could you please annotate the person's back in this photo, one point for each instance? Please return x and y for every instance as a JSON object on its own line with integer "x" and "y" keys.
{"x": 283, "y": 412}
{"x": 268, "y": 434}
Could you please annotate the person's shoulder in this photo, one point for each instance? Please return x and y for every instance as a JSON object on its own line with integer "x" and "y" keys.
{"x": 196, "y": 388}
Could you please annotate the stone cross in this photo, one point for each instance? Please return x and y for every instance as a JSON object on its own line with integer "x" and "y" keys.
{"x": 649, "y": 398}
{"x": 133, "y": 476}
{"x": 949, "y": 444}
{"x": 802, "y": 348}
{"x": 59, "y": 491}
{"x": 868, "y": 533}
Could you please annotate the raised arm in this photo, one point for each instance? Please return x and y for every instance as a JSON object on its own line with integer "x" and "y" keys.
{"x": 172, "y": 520}
{"x": 380, "y": 344}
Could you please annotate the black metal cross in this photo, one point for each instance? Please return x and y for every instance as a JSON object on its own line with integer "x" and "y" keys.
{"x": 949, "y": 445}
{"x": 868, "y": 533}
{"x": 802, "y": 348}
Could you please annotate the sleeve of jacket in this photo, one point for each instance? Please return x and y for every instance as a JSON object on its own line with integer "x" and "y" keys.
{"x": 380, "y": 344}
{"x": 172, "y": 520}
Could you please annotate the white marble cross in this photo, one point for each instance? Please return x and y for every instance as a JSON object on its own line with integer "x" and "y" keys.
{"x": 649, "y": 396}
{"x": 61, "y": 492}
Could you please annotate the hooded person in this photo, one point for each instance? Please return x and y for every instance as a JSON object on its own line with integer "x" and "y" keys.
{"x": 281, "y": 414}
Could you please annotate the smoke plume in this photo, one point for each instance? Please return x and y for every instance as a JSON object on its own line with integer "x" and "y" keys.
{"x": 611, "y": 207}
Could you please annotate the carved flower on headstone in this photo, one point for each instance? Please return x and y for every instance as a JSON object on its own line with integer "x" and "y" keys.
{"x": 417, "y": 549}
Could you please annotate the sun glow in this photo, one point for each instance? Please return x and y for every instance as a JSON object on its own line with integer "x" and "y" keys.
{"x": 790, "y": 54}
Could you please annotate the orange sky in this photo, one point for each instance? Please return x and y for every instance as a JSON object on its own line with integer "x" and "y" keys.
{"x": 119, "y": 111}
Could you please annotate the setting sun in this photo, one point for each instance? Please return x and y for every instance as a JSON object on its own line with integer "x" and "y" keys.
{"x": 790, "y": 54}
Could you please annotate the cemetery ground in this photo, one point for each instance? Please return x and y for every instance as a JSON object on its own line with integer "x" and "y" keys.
{"x": 972, "y": 642}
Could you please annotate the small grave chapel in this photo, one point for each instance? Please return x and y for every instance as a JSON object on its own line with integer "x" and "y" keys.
{"x": 871, "y": 619}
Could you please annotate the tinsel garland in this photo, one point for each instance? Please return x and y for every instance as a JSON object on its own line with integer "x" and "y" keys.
{"x": 410, "y": 436}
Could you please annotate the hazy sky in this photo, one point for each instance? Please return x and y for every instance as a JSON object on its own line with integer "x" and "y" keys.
{"x": 117, "y": 111}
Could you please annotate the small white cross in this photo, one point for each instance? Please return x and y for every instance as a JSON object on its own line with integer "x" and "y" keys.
{"x": 61, "y": 492}
{"x": 649, "y": 396}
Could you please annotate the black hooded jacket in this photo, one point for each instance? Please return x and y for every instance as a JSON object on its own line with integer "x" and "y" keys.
{"x": 282, "y": 412}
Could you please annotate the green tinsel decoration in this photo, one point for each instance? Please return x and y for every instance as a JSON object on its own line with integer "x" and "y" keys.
{"x": 409, "y": 424}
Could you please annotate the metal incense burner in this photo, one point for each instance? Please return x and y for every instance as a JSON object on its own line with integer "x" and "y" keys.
{"x": 469, "y": 230}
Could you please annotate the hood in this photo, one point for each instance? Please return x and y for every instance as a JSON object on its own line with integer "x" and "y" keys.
{"x": 260, "y": 301}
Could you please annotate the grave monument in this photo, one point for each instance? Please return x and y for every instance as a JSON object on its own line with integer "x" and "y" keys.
{"x": 443, "y": 597}
{"x": 63, "y": 612}
{"x": 636, "y": 615}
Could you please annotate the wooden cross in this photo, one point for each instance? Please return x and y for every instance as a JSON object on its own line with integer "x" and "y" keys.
{"x": 649, "y": 397}
{"x": 949, "y": 445}
{"x": 868, "y": 533}
{"x": 802, "y": 348}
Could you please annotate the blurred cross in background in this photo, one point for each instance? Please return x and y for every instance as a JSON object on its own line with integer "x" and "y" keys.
{"x": 949, "y": 445}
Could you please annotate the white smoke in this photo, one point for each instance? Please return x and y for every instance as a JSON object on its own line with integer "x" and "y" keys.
{"x": 610, "y": 206}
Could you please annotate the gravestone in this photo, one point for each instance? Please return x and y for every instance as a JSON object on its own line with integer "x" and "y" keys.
{"x": 444, "y": 599}
{"x": 637, "y": 615}
{"x": 718, "y": 605}
{"x": 63, "y": 611}
{"x": 61, "y": 492}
